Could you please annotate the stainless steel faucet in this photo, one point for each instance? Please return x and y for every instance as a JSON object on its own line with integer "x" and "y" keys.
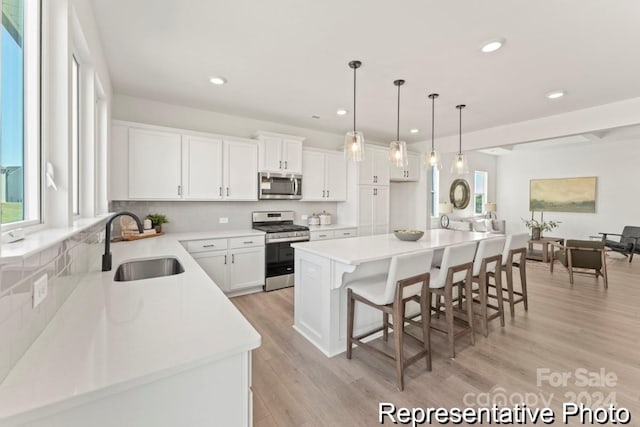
{"x": 106, "y": 258}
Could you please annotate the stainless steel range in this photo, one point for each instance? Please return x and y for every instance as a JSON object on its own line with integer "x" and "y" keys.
{"x": 279, "y": 255}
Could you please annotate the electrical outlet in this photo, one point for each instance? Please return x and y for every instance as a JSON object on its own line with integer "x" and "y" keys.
{"x": 40, "y": 290}
{"x": 224, "y": 220}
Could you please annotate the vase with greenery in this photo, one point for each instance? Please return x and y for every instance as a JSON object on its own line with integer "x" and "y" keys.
{"x": 537, "y": 227}
{"x": 157, "y": 220}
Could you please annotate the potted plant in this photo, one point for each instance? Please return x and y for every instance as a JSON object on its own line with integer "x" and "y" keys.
{"x": 537, "y": 227}
{"x": 157, "y": 220}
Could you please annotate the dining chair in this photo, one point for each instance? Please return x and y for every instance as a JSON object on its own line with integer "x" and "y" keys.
{"x": 408, "y": 280}
{"x": 456, "y": 267}
{"x": 581, "y": 255}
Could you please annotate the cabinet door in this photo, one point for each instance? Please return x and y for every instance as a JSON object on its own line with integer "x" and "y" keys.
{"x": 291, "y": 156}
{"x": 270, "y": 154}
{"x": 240, "y": 171}
{"x": 365, "y": 210}
{"x": 201, "y": 168}
{"x": 365, "y": 168}
{"x": 381, "y": 211}
{"x": 381, "y": 166}
{"x": 397, "y": 174}
{"x": 154, "y": 164}
{"x": 246, "y": 268}
{"x": 215, "y": 265}
{"x": 336, "y": 177}
{"x": 321, "y": 235}
{"x": 313, "y": 178}
{"x": 413, "y": 169}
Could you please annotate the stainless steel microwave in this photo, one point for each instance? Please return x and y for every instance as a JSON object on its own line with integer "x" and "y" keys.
{"x": 279, "y": 186}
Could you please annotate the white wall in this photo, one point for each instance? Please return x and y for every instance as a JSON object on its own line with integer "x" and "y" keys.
{"x": 613, "y": 163}
{"x": 162, "y": 114}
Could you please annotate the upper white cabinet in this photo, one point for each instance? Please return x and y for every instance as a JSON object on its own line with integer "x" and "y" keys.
{"x": 324, "y": 176}
{"x": 279, "y": 153}
{"x": 410, "y": 173}
{"x": 154, "y": 164}
{"x": 374, "y": 169}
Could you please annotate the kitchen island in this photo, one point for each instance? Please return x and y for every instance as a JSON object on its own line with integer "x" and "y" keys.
{"x": 322, "y": 269}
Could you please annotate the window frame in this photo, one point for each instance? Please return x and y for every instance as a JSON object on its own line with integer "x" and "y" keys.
{"x": 76, "y": 132}
{"x": 434, "y": 191}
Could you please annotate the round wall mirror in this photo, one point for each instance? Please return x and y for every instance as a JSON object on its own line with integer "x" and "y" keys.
{"x": 460, "y": 194}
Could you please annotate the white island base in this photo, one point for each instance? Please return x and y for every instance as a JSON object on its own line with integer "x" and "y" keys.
{"x": 322, "y": 269}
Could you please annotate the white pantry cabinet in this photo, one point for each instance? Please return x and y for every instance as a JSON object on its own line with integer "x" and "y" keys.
{"x": 324, "y": 176}
{"x": 279, "y": 153}
{"x": 154, "y": 164}
{"x": 373, "y": 210}
{"x": 410, "y": 173}
{"x": 375, "y": 168}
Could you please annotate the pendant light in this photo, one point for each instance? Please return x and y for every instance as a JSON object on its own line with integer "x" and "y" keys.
{"x": 433, "y": 158}
{"x": 460, "y": 165}
{"x": 397, "y": 148}
{"x": 354, "y": 140}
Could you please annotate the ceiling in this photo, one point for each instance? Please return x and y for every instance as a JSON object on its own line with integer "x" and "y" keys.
{"x": 286, "y": 60}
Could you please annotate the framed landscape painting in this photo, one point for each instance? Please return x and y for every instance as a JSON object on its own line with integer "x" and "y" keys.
{"x": 563, "y": 195}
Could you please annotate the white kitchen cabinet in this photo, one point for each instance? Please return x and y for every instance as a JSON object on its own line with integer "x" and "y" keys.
{"x": 408, "y": 174}
{"x": 279, "y": 153}
{"x": 240, "y": 171}
{"x": 375, "y": 168}
{"x": 324, "y": 176}
{"x": 202, "y": 166}
{"x": 332, "y": 234}
{"x": 155, "y": 169}
{"x": 246, "y": 269}
{"x": 235, "y": 264}
{"x": 373, "y": 210}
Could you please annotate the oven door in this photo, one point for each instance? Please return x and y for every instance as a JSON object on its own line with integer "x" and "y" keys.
{"x": 279, "y": 186}
{"x": 279, "y": 259}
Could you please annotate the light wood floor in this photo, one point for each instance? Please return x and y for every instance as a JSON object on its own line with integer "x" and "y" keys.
{"x": 567, "y": 327}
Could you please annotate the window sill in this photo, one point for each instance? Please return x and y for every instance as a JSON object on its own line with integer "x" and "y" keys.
{"x": 42, "y": 239}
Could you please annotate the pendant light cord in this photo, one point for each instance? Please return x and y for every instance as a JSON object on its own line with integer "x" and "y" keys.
{"x": 354, "y": 100}
{"x": 460, "y": 131}
{"x": 433, "y": 118}
{"x": 398, "y": 121}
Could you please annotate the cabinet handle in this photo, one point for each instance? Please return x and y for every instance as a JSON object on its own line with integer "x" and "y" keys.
{"x": 233, "y": 258}
{"x": 209, "y": 246}
{"x": 280, "y": 167}
{"x": 248, "y": 243}
{"x": 179, "y": 190}
{"x": 220, "y": 191}
{"x": 327, "y": 193}
{"x": 227, "y": 191}
{"x": 322, "y": 235}
{"x": 375, "y": 191}
{"x": 286, "y": 164}
{"x": 323, "y": 194}
{"x": 225, "y": 260}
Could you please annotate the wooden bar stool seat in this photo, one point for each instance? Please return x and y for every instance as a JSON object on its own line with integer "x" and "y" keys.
{"x": 408, "y": 280}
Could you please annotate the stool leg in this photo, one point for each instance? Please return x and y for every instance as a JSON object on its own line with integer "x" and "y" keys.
{"x": 350, "y": 314}
{"x": 523, "y": 282}
{"x": 498, "y": 279}
{"x": 426, "y": 325}
{"x": 509, "y": 271}
{"x": 385, "y": 325}
{"x": 467, "y": 286}
{"x": 448, "y": 306}
{"x": 482, "y": 289}
{"x": 438, "y": 306}
{"x": 398, "y": 334}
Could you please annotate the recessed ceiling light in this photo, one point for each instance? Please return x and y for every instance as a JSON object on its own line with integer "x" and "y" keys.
{"x": 342, "y": 112}
{"x": 556, "y": 94}
{"x": 492, "y": 45}
{"x": 217, "y": 80}
{"x": 414, "y": 130}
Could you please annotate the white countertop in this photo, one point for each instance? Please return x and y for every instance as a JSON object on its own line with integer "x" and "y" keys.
{"x": 357, "y": 250}
{"x": 222, "y": 234}
{"x": 329, "y": 227}
{"x": 111, "y": 336}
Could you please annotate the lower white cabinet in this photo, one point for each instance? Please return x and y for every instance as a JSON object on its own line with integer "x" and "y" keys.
{"x": 235, "y": 264}
{"x": 333, "y": 234}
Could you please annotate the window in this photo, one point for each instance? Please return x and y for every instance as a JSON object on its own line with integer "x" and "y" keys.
{"x": 435, "y": 184}
{"x": 75, "y": 134}
{"x": 480, "y": 195}
{"x": 19, "y": 113}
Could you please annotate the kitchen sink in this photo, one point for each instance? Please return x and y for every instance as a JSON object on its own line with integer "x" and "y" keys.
{"x": 148, "y": 269}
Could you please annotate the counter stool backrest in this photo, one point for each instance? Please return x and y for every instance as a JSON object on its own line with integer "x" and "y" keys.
{"x": 515, "y": 241}
{"x": 406, "y": 266}
{"x": 455, "y": 255}
{"x": 488, "y": 248}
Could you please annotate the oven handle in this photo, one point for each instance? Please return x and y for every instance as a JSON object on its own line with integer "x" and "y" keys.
{"x": 289, "y": 239}
{"x": 295, "y": 186}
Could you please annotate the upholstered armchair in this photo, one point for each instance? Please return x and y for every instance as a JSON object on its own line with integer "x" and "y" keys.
{"x": 628, "y": 243}
{"x": 582, "y": 255}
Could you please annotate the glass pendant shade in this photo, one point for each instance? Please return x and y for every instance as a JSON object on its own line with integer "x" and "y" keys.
{"x": 354, "y": 146}
{"x": 460, "y": 166}
{"x": 398, "y": 154}
{"x": 432, "y": 159}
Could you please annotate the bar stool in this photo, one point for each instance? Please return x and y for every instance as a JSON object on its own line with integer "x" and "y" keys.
{"x": 515, "y": 256}
{"x": 456, "y": 267}
{"x": 408, "y": 280}
{"x": 487, "y": 264}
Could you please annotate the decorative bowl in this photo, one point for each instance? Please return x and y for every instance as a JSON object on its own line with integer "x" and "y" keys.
{"x": 409, "y": 235}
